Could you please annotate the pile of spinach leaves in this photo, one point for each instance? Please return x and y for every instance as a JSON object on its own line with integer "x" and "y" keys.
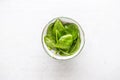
{"x": 64, "y": 38}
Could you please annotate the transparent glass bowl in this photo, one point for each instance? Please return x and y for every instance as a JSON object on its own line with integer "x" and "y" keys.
{"x": 51, "y": 53}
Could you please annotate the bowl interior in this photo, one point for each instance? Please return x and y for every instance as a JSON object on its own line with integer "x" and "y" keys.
{"x": 52, "y": 52}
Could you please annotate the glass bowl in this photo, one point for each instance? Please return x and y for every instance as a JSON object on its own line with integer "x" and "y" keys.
{"x": 51, "y": 53}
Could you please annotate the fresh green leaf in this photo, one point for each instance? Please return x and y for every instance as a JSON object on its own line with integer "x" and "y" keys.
{"x": 50, "y": 28}
{"x": 63, "y": 53}
{"x": 72, "y": 46}
{"x": 57, "y": 36}
{"x": 72, "y": 29}
{"x": 65, "y": 42}
{"x": 50, "y": 41}
{"x": 75, "y": 46}
{"x": 59, "y": 27}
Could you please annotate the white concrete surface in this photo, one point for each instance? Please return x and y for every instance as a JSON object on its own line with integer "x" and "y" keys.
{"x": 22, "y": 56}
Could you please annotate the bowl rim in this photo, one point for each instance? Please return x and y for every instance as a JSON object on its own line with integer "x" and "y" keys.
{"x": 79, "y": 30}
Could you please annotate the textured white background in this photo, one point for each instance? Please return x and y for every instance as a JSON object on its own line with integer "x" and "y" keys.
{"x": 22, "y": 56}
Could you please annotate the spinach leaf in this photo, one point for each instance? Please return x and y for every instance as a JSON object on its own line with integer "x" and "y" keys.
{"x": 75, "y": 46}
{"x": 63, "y": 53}
{"x": 65, "y": 42}
{"x": 59, "y": 27}
{"x": 72, "y": 29}
{"x": 50, "y": 28}
{"x": 57, "y": 35}
{"x": 50, "y": 41}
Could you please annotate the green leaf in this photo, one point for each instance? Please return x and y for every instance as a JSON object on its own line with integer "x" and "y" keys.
{"x": 49, "y": 41}
{"x": 72, "y": 29}
{"x": 49, "y": 29}
{"x": 75, "y": 46}
{"x": 57, "y": 35}
{"x": 59, "y": 27}
{"x": 65, "y": 42}
{"x": 63, "y": 53}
